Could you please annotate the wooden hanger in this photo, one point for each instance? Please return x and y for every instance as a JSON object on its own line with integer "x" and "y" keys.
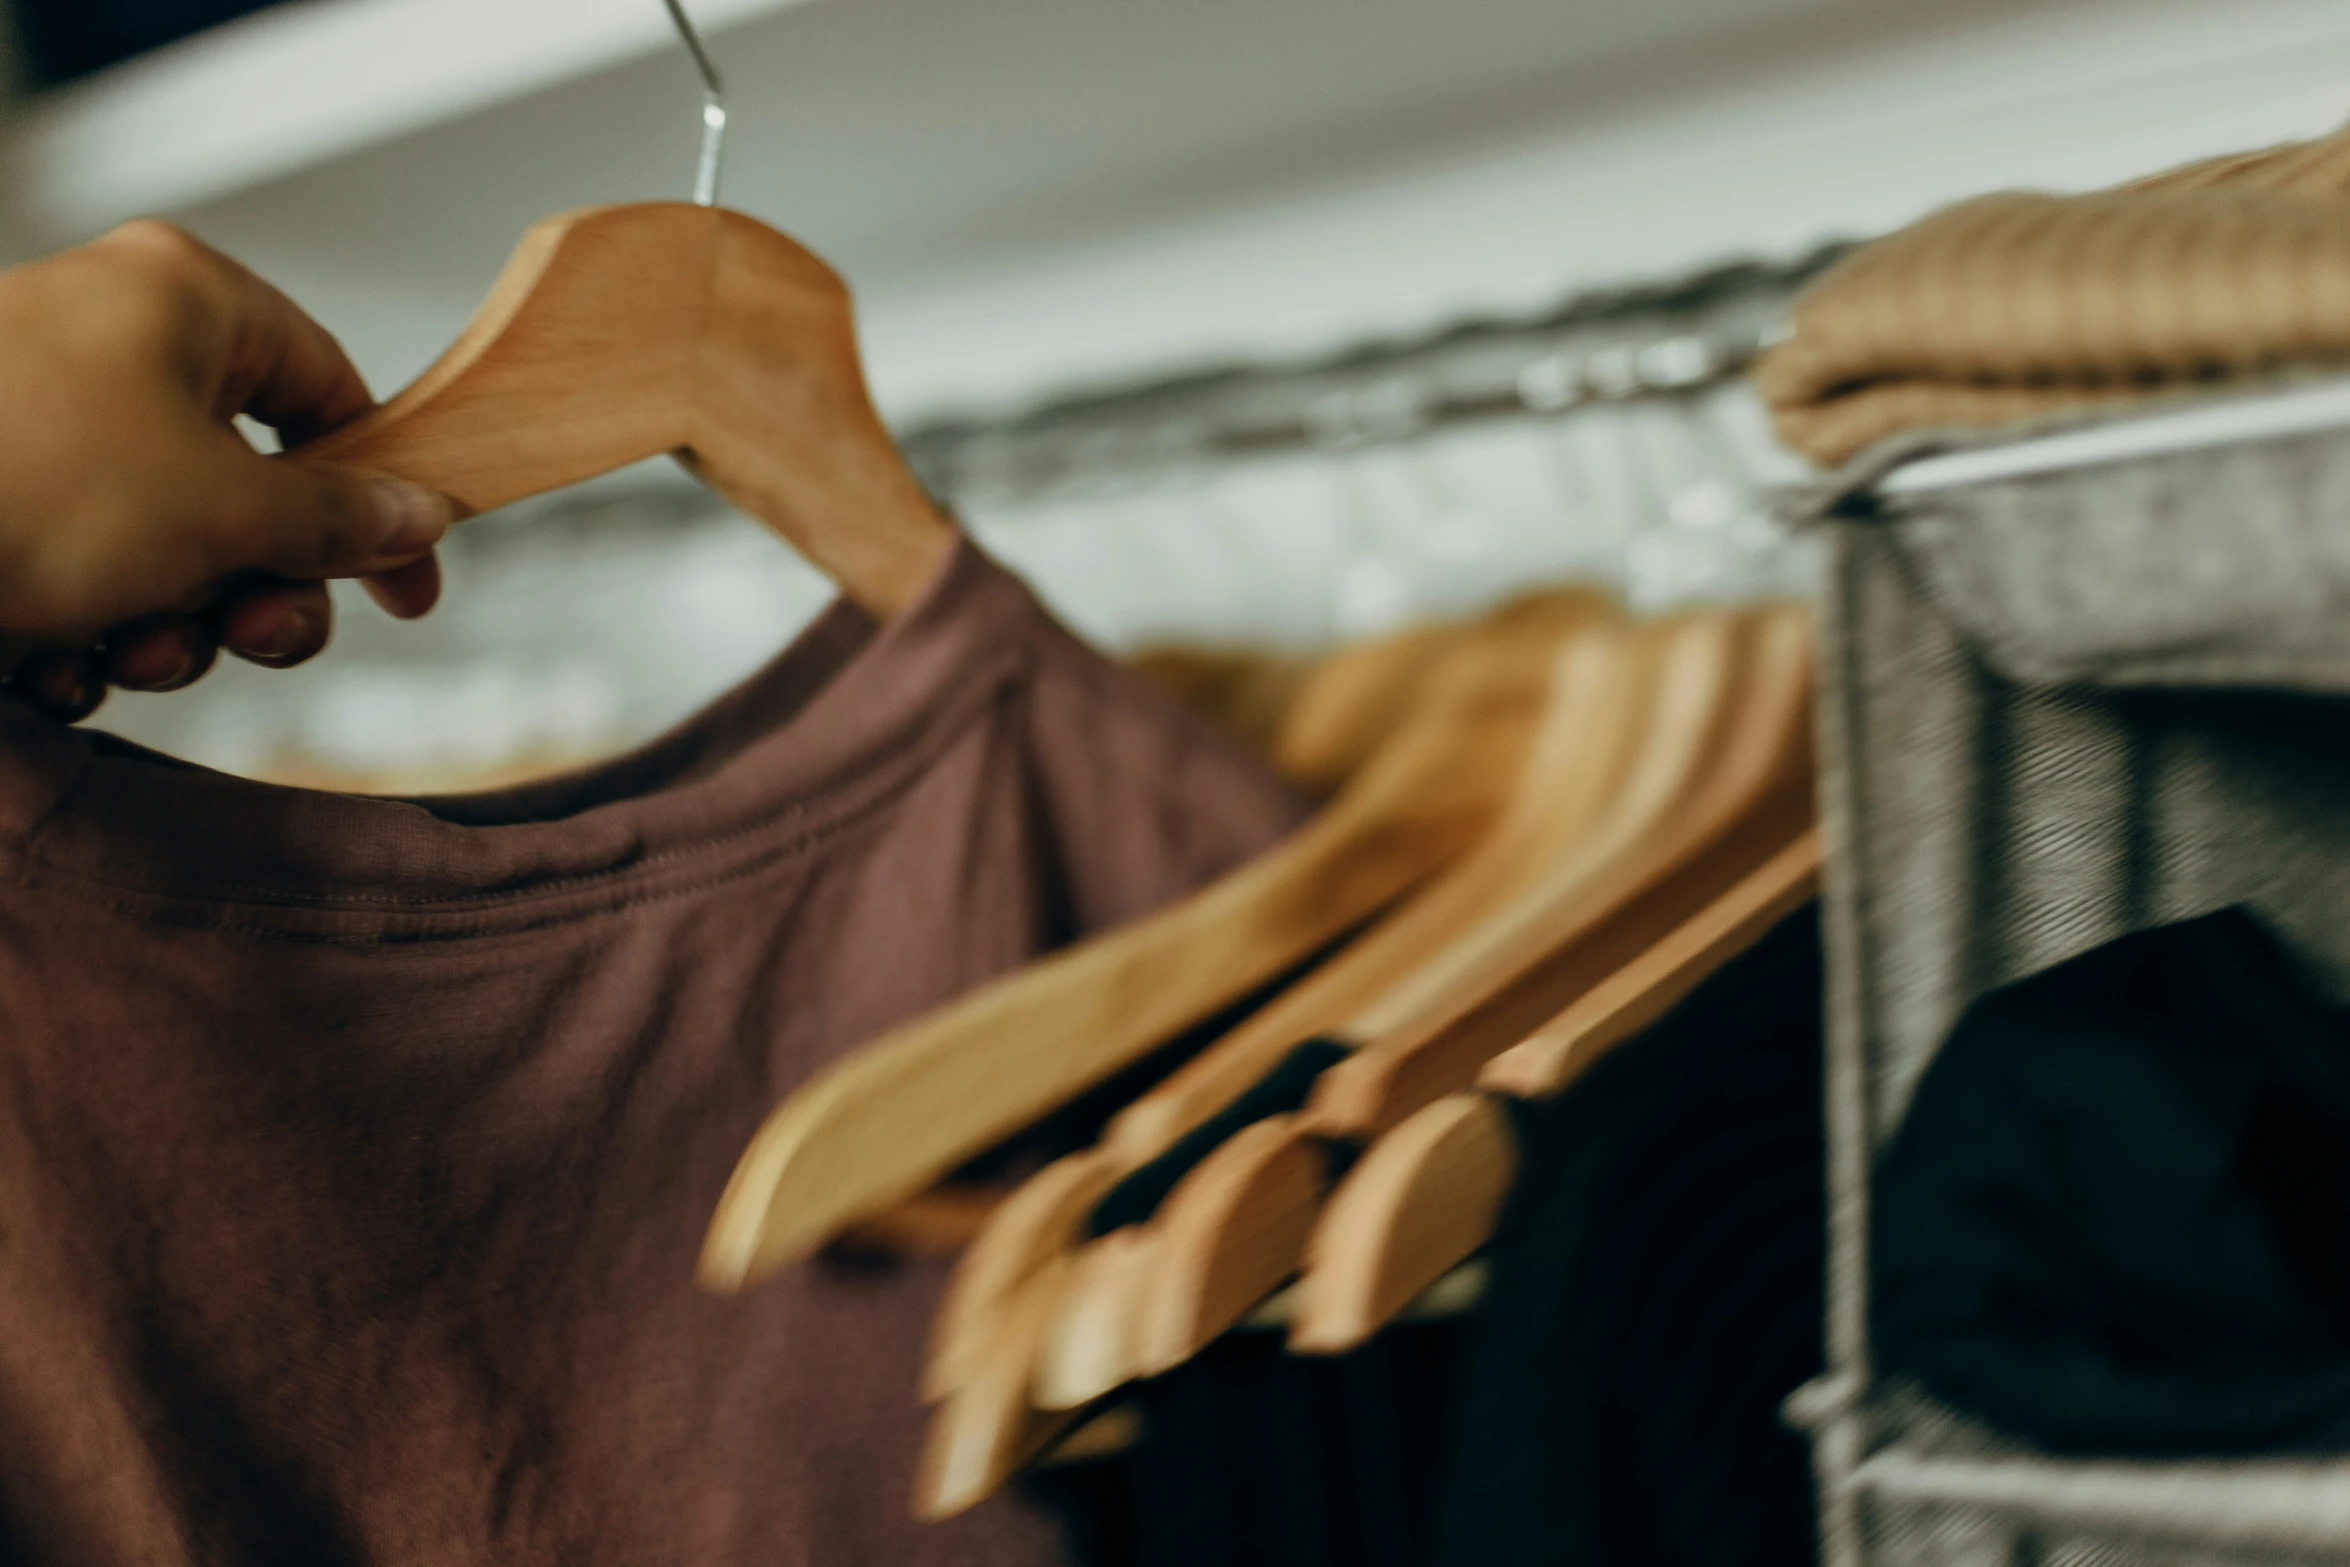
{"x": 1593, "y": 698}
{"x": 1745, "y": 803}
{"x": 1350, "y": 698}
{"x": 1753, "y": 797}
{"x": 985, "y": 1428}
{"x": 890, "y": 1119}
{"x": 1237, "y": 1226}
{"x": 625, "y": 332}
{"x": 1083, "y": 1351}
{"x": 1587, "y": 703}
{"x": 1600, "y": 696}
{"x": 1021, "y": 1236}
{"x": 992, "y": 1326}
{"x": 1039, "y": 1221}
{"x": 1429, "y": 1194}
{"x": 1758, "y": 805}
{"x": 1554, "y": 1055}
{"x": 1254, "y": 1213}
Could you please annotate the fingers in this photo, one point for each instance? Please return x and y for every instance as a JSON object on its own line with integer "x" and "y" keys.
{"x": 276, "y": 624}
{"x": 272, "y": 623}
{"x": 309, "y": 520}
{"x": 285, "y": 369}
{"x": 66, "y": 686}
{"x": 406, "y": 592}
{"x": 141, "y": 532}
{"x": 250, "y": 349}
{"x": 266, "y": 357}
{"x": 160, "y": 653}
{"x": 288, "y": 371}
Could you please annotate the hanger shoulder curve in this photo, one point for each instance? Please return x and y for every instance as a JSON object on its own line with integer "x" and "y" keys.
{"x": 1087, "y": 1347}
{"x": 1038, "y": 1222}
{"x": 784, "y": 425}
{"x": 620, "y": 333}
{"x": 897, "y": 1114}
{"x": 1746, "y": 797}
{"x": 1442, "y": 1175}
{"x": 1584, "y": 674}
{"x": 1418, "y": 1203}
{"x": 1628, "y": 1001}
{"x": 983, "y": 1431}
{"x": 1229, "y": 1234}
{"x": 550, "y": 383}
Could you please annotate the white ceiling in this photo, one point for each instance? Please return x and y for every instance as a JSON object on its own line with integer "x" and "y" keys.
{"x": 1028, "y": 191}
{"x": 900, "y": 135}
{"x": 913, "y": 141}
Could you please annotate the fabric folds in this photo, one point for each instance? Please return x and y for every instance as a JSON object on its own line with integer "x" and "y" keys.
{"x": 355, "y": 1153}
{"x": 2117, "y": 1218}
{"x": 1655, "y": 1295}
{"x": 2021, "y": 304}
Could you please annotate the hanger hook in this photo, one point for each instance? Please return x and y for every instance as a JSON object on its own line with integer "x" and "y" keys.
{"x": 713, "y": 108}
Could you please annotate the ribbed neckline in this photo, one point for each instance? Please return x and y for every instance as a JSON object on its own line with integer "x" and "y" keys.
{"x": 836, "y": 725}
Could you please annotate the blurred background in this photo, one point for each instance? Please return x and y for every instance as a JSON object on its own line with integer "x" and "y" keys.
{"x": 1226, "y": 322}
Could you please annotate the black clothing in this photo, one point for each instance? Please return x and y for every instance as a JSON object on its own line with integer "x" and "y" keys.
{"x": 1254, "y": 1457}
{"x": 2117, "y": 1218}
{"x": 1656, "y": 1295}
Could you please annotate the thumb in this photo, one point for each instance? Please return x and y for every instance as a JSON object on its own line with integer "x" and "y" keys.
{"x": 307, "y": 519}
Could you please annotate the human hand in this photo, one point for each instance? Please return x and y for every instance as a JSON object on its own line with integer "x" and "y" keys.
{"x": 140, "y": 533}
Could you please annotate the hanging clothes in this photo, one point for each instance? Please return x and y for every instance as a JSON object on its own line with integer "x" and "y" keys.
{"x": 1655, "y": 1295}
{"x": 2117, "y": 1218}
{"x": 1253, "y": 1457}
{"x": 1652, "y": 1297}
{"x": 355, "y": 1153}
{"x": 2022, "y": 304}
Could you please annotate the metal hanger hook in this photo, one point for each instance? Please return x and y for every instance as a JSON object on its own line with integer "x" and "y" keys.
{"x": 713, "y": 108}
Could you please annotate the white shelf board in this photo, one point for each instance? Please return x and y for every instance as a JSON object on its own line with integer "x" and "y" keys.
{"x": 284, "y": 89}
{"x": 2267, "y": 416}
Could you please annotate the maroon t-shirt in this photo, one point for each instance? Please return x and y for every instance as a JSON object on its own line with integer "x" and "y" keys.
{"x": 355, "y": 1153}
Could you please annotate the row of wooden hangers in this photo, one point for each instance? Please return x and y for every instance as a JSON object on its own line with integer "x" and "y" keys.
{"x": 1552, "y": 826}
{"x": 1658, "y": 820}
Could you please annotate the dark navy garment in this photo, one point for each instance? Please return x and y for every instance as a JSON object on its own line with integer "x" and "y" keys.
{"x": 2117, "y": 1218}
{"x": 1654, "y": 1295}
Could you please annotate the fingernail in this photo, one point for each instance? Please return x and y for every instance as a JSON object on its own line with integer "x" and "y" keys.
{"x": 177, "y": 673}
{"x": 63, "y": 683}
{"x": 291, "y": 637}
{"x": 409, "y": 518}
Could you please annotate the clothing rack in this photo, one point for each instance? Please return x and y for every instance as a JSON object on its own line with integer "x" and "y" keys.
{"x": 1663, "y": 340}
{"x": 1611, "y": 439}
